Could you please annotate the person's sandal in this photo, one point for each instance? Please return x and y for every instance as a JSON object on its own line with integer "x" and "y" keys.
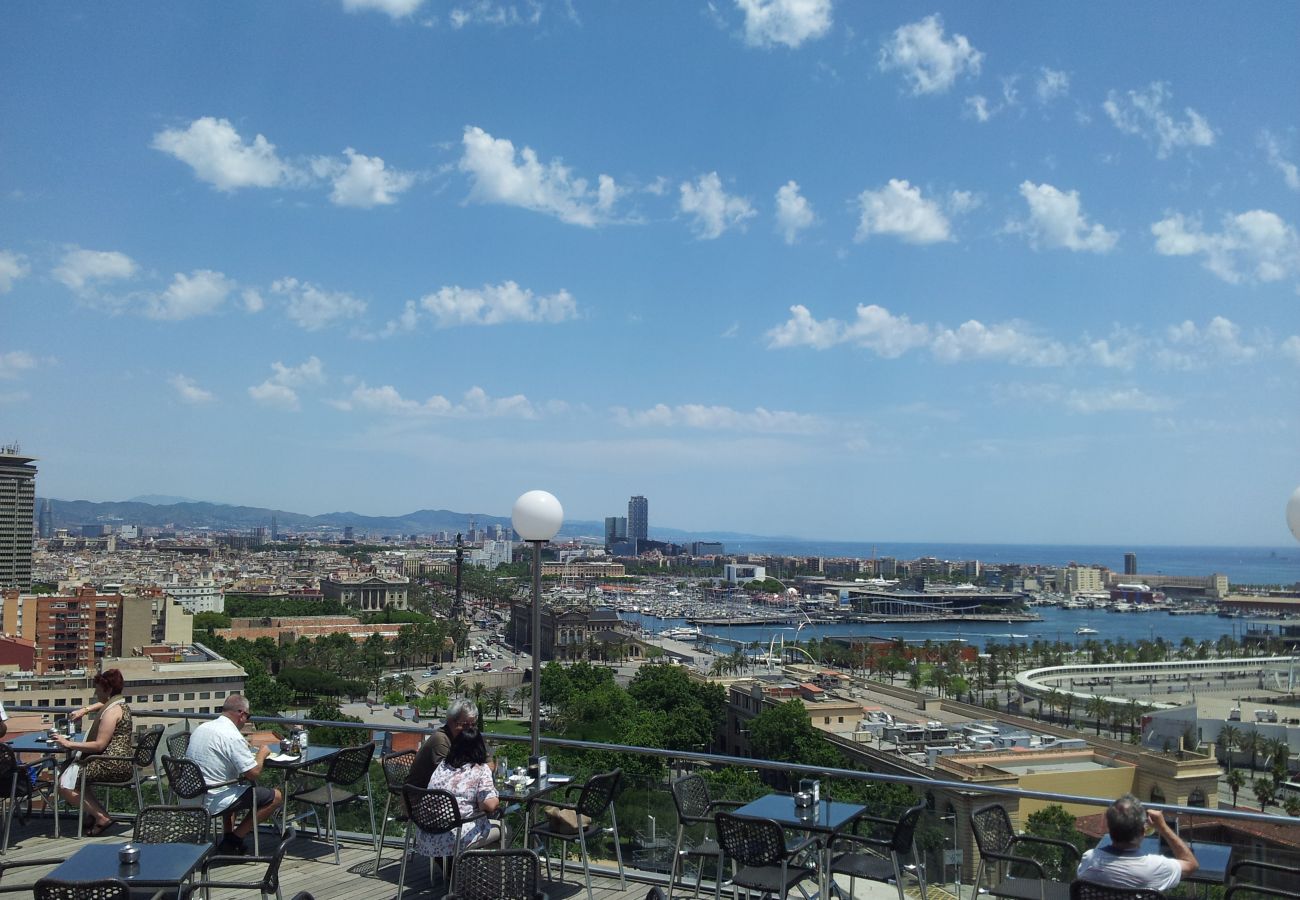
{"x": 97, "y": 830}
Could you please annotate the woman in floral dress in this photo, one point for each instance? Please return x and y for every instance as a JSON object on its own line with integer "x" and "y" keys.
{"x": 467, "y": 776}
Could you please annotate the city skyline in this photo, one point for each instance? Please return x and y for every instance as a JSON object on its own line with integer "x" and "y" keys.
{"x": 1012, "y": 274}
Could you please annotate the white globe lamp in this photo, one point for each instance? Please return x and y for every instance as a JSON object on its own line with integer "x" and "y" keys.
{"x": 537, "y": 516}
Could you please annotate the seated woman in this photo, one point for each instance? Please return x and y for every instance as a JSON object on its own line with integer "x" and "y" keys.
{"x": 467, "y": 776}
{"x": 109, "y": 736}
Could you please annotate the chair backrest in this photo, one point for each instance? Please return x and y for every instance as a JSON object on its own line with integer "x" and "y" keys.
{"x": 497, "y": 875}
{"x": 750, "y": 842}
{"x": 691, "y": 797}
{"x": 8, "y": 764}
{"x": 1087, "y": 890}
{"x": 1251, "y": 891}
{"x": 396, "y": 767}
{"x": 102, "y": 889}
{"x": 178, "y": 744}
{"x": 350, "y": 765}
{"x": 271, "y": 881}
{"x": 146, "y": 745}
{"x": 1241, "y": 871}
{"x": 905, "y": 831}
{"x": 431, "y": 809}
{"x": 171, "y": 825}
{"x": 185, "y": 777}
{"x": 598, "y": 793}
{"x": 992, "y": 827}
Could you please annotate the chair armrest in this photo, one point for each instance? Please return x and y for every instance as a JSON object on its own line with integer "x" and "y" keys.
{"x": 1257, "y": 864}
{"x": 725, "y": 804}
{"x": 1052, "y": 842}
{"x": 860, "y": 839}
{"x": 810, "y": 841}
{"x": 1023, "y": 860}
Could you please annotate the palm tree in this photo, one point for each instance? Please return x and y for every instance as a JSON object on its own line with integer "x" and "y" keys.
{"x": 1236, "y": 780}
{"x": 1067, "y": 704}
{"x": 496, "y": 702}
{"x": 1251, "y": 743}
{"x": 476, "y": 693}
{"x": 1097, "y": 710}
{"x": 1265, "y": 792}
{"x": 1053, "y": 701}
{"x": 1278, "y": 752}
{"x": 458, "y": 686}
{"x": 1229, "y": 740}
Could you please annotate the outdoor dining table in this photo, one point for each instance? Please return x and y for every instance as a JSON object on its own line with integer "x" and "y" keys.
{"x": 160, "y": 865}
{"x": 826, "y": 817}
{"x": 514, "y": 795}
{"x": 1213, "y": 860}
{"x": 292, "y": 765}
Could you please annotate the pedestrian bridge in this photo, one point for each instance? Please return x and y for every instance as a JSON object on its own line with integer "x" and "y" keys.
{"x": 1278, "y": 672}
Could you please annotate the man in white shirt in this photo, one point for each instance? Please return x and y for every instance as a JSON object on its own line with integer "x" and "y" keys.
{"x": 4, "y": 718}
{"x": 1122, "y": 862}
{"x": 223, "y": 754}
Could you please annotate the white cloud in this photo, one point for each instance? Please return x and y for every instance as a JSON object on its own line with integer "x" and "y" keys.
{"x": 476, "y": 404}
{"x": 279, "y": 391}
{"x": 977, "y": 108}
{"x": 15, "y": 362}
{"x": 551, "y": 189}
{"x": 898, "y": 209}
{"x": 313, "y": 308}
{"x": 83, "y": 269}
{"x": 962, "y": 202}
{"x": 253, "y": 301}
{"x": 1252, "y": 246}
{"x": 1056, "y": 220}
{"x": 396, "y": 9}
{"x": 1143, "y": 113}
{"x": 1191, "y": 346}
{"x": 1010, "y": 342}
{"x": 788, "y": 22}
{"x": 1273, "y": 148}
{"x": 1121, "y": 350}
{"x": 274, "y": 395}
{"x": 198, "y": 294}
{"x": 929, "y": 62}
{"x": 1291, "y": 348}
{"x": 720, "y": 418}
{"x": 793, "y": 211}
{"x": 492, "y": 304}
{"x": 13, "y": 266}
{"x": 485, "y": 12}
{"x": 1051, "y": 85}
{"x": 219, "y": 156}
{"x": 875, "y": 328}
{"x": 1114, "y": 400}
{"x": 362, "y": 181}
{"x": 188, "y": 390}
{"x": 713, "y": 210}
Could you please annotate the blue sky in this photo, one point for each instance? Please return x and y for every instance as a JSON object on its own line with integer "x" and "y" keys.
{"x": 1012, "y": 272}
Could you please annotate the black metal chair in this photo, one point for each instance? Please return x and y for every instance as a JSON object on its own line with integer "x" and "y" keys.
{"x": 267, "y": 884}
{"x": 396, "y": 767}
{"x": 996, "y": 840}
{"x": 760, "y": 858}
{"x": 580, "y": 821}
{"x": 437, "y": 812}
{"x": 497, "y": 875}
{"x": 861, "y": 855}
{"x": 172, "y": 825}
{"x": 1087, "y": 890}
{"x": 6, "y": 865}
{"x": 84, "y": 782}
{"x": 145, "y": 766}
{"x": 10, "y": 775}
{"x": 20, "y": 783}
{"x": 178, "y": 744}
{"x": 695, "y": 806}
{"x": 186, "y": 781}
{"x": 102, "y": 889}
{"x": 346, "y": 768}
{"x": 1285, "y": 874}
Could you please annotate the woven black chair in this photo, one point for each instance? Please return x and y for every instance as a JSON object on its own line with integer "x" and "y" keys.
{"x": 268, "y": 883}
{"x": 497, "y": 875}
{"x": 695, "y": 806}
{"x": 1241, "y": 883}
{"x": 1087, "y": 890}
{"x": 187, "y": 782}
{"x": 996, "y": 840}
{"x": 346, "y": 768}
{"x": 6, "y": 865}
{"x": 437, "y": 812}
{"x": 172, "y": 825}
{"x": 103, "y": 889}
{"x": 579, "y": 822}
{"x": 10, "y": 775}
{"x": 145, "y": 768}
{"x": 880, "y": 858}
{"x": 85, "y": 782}
{"x": 20, "y": 783}
{"x": 396, "y": 767}
{"x": 178, "y": 744}
{"x": 760, "y": 858}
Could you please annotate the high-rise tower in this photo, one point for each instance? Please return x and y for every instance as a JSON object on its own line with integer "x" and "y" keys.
{"x": 638, "y": 518}
{"x": 1130, "y": 563}
{"x": 17, "y": 517}
{"x": 45, "y": 521}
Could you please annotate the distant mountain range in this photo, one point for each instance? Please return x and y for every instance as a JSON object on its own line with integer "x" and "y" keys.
{"x": 160, "y": 511}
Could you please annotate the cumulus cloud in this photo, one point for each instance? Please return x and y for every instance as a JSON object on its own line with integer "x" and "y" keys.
{"x": 898, "y": 209}
{"x": 1273, "y": 149}
{"x": 788, "y": 22}
{"x": 720, "y": 418}
{"x": 476, "y": 404}
{"x": 1122, "y": 349}
{"x": 1251, "y": 246}
{"x": 314, "y": 308}
{"x": 397, "y": 9}
{"x": 1084, "y": 401}
{"x": 253, "y": 301}
{"x": 711, "y": 208}
{"x": 14, "y": 362}
{"x": 200, "y": 293}
{"x": 485, "y": 12}
{"x": 1191, "y": 346}
{"x": 361, "y": 181}
{"x": 188, "y": 390}
{"x": 1010, "y": 342}
{"x": 82, "y": 270}
{"x": 280, "y": 391}
{"x": 977, "y": 107}
{"x": 276, "y": 396}
{"x": 218, "y": 155}
{"x": 13, "y": 266}
{"x": 1143, "y": 113}
{"x": 793, "y": 211}
{"x": 1056, "y": 220}
{"x": 500, "y": 175}
{"x": 491, "y": 304}
{"x": 927, "y": 61}
{"x": 1051, "y": 85}
{"x": 874, "y": 328}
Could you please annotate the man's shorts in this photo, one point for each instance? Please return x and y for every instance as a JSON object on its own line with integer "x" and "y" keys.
{"x": 265, "y": 796}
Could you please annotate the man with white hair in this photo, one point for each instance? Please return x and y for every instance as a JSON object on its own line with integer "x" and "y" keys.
{"x": 223, "y": 754}
{"x": 1121, "y": 863}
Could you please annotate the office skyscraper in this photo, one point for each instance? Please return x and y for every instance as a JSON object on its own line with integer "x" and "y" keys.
{"x": 638, "y": 518}
{"x": 1130, "y": 563}
{"x": 17, "y": 517}
{"x": 615, "y": 530}
{"x": 45, "y": 522}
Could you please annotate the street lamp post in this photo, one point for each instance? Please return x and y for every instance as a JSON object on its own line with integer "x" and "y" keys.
{"x": 537, "y": 516}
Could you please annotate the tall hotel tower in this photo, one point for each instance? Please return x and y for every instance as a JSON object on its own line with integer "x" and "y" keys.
{"x": 638, "y": 518}
{"x": 17, "y": 517}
